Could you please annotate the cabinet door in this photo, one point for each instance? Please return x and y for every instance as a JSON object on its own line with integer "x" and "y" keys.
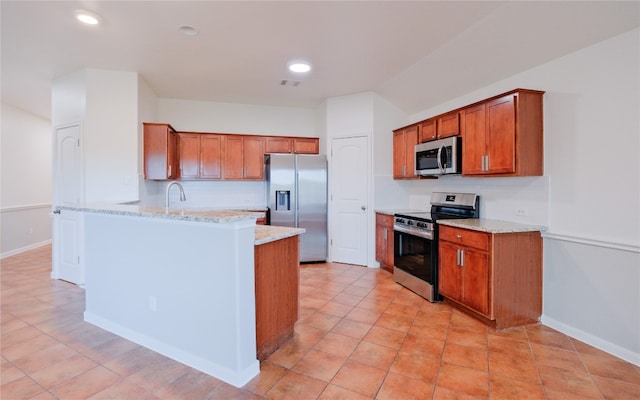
{"x": 411, "y": 140}
{"x": 474, "y": 143}
{"x": 398, "y": 154}
{"x": 253, "y": 157}
{"x": 278, "y": 145}
{"x": 475, "y": 280}
{"x": 381, "y": 245}
{"x": 173, "y": 169}
{"x": 384, "y": 240}
{"x": 428, "y": 130}
{"x": 449, "y": 125}
{"x": 449, "y": 272}
{"x": 210, "y": 156}
{"x": 501, "y": 135}
{"x": 306, "y": 145}
{"x": 233, "y": 159}
{"x": 189, "y": 155}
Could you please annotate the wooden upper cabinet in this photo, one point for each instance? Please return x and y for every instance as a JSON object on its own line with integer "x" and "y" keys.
{"x": 193, "y": 155}
{"x": 474, "y": 144}
{"x": 211, "y": 156}
{"x": 297, "y": 145}
{"x": 243, "y": 157}
{"x": 160, "y": 143}
{"x": 448, "y": 125}
{"x": 189, "y": 155}
{"x": 200, "y": 156}
{"x": 428, "y": 130}
{"x": 275, "y": 144}
{"x": 503, "y": 136}
{"x": 404, "y": 143}
{"x": 302, "y": 145}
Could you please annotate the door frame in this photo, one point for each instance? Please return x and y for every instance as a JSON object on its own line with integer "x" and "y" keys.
{"x": 369, "y": 232}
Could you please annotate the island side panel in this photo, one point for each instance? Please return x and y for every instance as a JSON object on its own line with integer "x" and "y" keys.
{"x": 184, "y": 289}
{"x": 276, "y": 287}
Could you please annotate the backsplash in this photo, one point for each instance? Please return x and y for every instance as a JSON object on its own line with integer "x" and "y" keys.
{"x": 211, "y": 194}
{"x": 517, "y": 199}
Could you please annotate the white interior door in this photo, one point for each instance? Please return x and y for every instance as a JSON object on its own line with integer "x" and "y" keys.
{"x": 349, "y": 205}
{"x": 67, "y": 187}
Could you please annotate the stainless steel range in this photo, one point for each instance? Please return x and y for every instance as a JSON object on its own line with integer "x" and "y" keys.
{"x": 416, "y": 241}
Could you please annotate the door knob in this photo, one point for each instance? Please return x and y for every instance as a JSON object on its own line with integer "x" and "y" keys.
{"x": 364, "y": 208}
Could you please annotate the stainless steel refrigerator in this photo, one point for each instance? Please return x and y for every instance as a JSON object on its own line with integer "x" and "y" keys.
{"x": 297, "y": 197}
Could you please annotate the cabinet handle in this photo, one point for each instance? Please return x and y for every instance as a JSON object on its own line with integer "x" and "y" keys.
{"x": 485, "y": 163}
{"x": 384, "y": 233}
{"x": 458, "y": 257}
{"x": 459, "y": 236}
{"x": 169, "y": 170}
{"x": 462, "y": 258}
{"x": 404, "y": 170}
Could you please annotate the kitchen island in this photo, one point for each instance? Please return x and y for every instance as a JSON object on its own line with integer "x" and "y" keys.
{"x": 183, "y": 282}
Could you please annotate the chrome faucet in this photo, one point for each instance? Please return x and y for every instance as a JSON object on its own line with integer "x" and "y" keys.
{"x": 182, "y": 195}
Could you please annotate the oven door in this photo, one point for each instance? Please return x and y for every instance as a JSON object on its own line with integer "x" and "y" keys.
{"x": 415, "y": 255}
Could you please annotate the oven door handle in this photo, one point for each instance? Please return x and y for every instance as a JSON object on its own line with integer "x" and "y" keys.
{"x": 425, "y": 235}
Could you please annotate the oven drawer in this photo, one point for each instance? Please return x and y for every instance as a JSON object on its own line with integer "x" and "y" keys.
{"x": 478, "y": 240}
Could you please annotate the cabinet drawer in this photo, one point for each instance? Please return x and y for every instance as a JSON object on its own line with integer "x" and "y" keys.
{"x": 478, "y": 240}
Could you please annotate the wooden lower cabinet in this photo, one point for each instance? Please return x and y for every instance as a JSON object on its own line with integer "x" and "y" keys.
{"x": 276, "y": 285}
{"x": 384, "y": 241}
{"x": 497, "y": 276}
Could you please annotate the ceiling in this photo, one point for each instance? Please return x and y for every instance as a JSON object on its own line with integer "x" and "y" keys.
{"x": 415, "y": 54}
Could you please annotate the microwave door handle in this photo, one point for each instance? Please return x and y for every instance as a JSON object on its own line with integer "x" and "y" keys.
{"x": 439, "y": 158}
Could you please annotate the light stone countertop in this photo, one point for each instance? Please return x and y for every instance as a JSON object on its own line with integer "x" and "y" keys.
{"x": 392, "y": 212}
{"x": 270, "y": 233}
{"x": 263, "y": 233}
{"x": 491, "y": 225}
{"x": 188, "y": 214}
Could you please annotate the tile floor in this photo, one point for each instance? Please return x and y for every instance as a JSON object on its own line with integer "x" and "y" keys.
{"x": 359, "y": 336}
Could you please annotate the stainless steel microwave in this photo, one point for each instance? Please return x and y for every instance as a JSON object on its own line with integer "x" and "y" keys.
{"x": 439, "y": 157}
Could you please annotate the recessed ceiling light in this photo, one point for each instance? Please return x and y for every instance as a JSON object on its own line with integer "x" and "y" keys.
{"x": 188, "y": 30}
{"x": 87, "y": 17}
{"x": 299, "y": 67}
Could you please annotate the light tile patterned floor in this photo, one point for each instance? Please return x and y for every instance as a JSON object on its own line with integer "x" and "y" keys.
{"x": 359, "y": 336}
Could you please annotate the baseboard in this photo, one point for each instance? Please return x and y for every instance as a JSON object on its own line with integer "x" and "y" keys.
{"x": 232, "y": 377}
{"x": 23, "y": 249}
{"x": 611, "y": 348}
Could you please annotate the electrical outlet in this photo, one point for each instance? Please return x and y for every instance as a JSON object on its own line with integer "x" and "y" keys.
{"x": 522, "y": 212}
{"x": 153, "y": 303}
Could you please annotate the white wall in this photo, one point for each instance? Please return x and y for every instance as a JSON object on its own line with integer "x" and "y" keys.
{"x": 25, "y": 192}
{"x": 111, "y": 136}
{"x": 388, "y": 192}
{"x": 590, "y": 195}
{"x": 148, "y": 190}
{"x": 206, "y": 116}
